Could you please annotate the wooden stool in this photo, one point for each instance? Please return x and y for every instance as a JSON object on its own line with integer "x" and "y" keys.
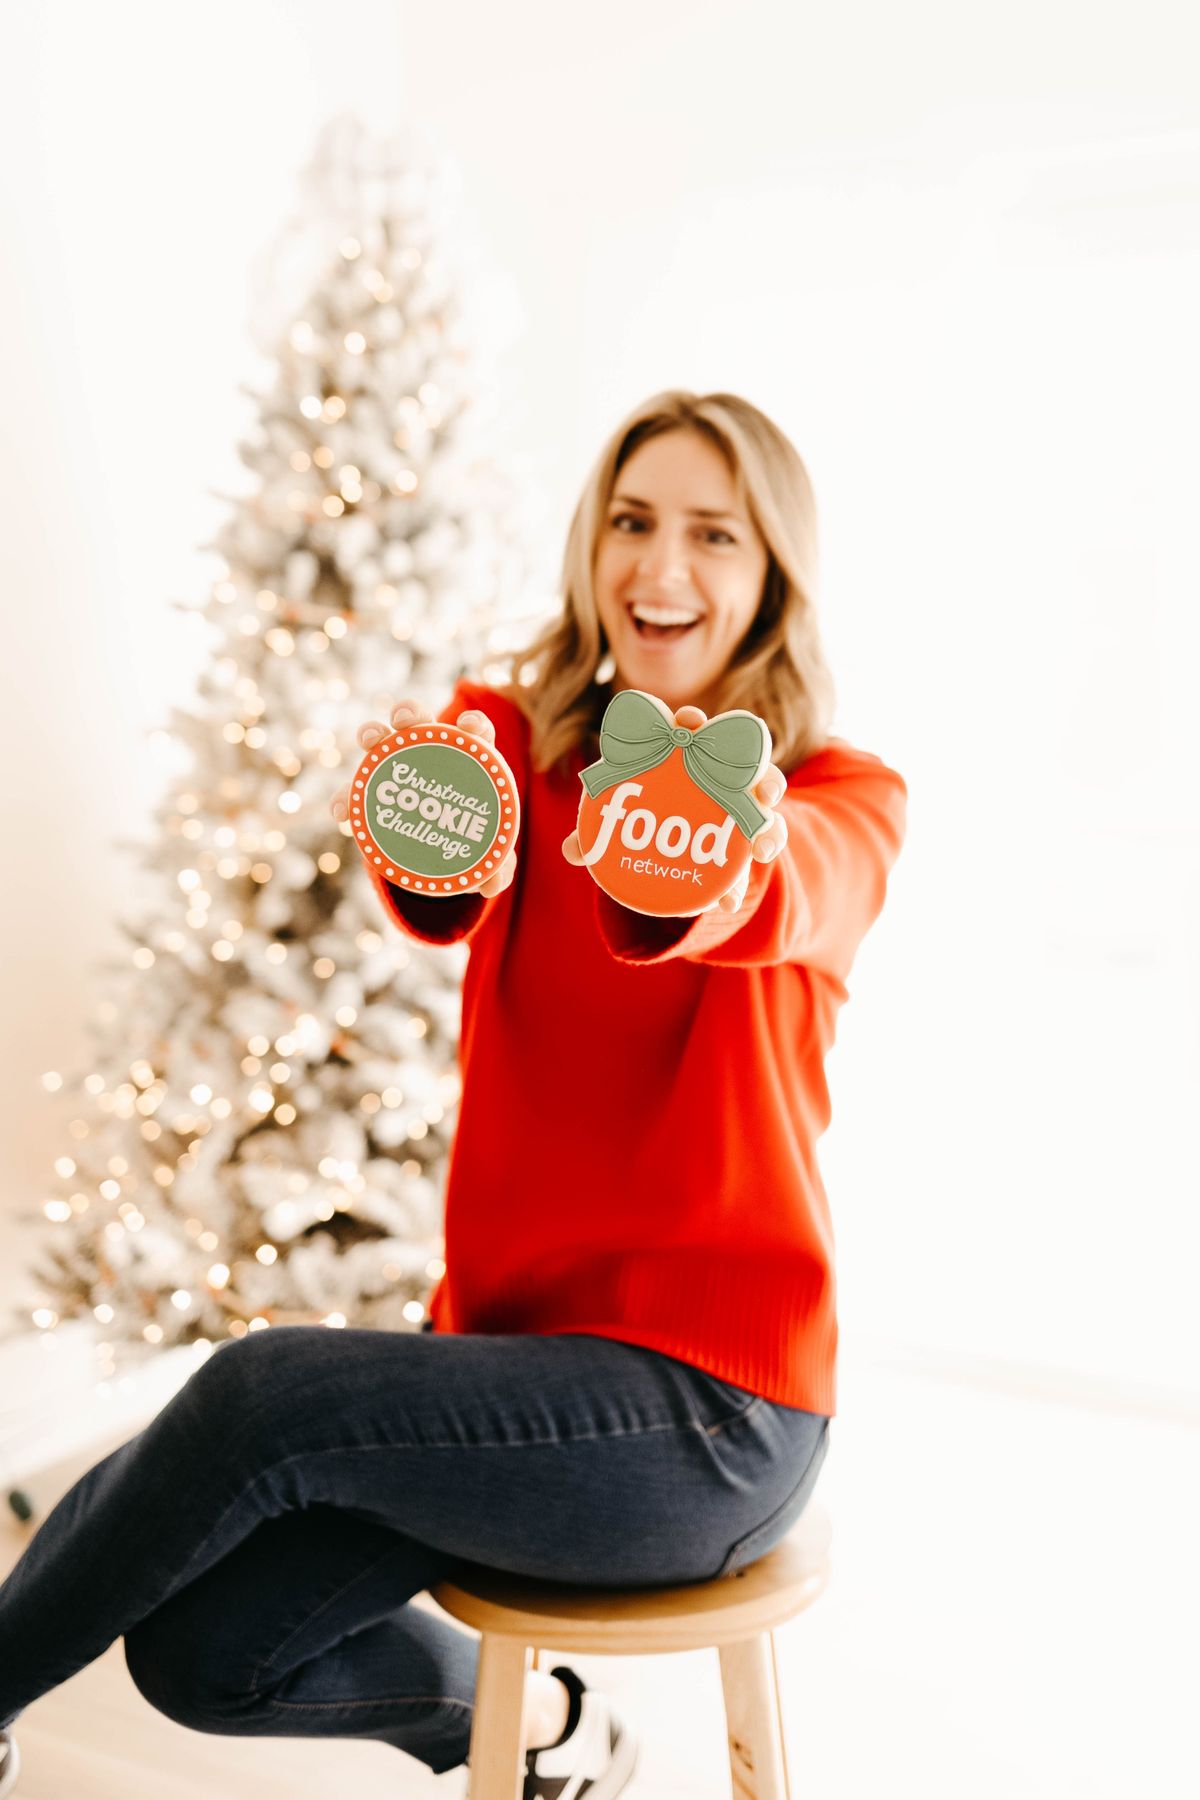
{"x": 735, "y": 1615}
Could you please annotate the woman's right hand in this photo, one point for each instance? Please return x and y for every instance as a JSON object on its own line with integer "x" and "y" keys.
{"x": 410, "y": 712}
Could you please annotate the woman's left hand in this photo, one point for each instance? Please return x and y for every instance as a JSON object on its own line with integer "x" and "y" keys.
{"x": 766, "y": 844}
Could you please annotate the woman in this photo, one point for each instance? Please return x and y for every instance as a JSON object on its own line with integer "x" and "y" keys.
{"x": 636, "y": 1325}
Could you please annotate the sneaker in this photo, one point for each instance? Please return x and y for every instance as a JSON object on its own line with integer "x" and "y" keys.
{"x": 10, "y": 1763}
{"x": 594, "y": 1757}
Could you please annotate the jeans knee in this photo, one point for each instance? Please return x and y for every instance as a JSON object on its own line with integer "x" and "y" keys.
{"x": 246, "y": 1369}
{"x": 151, "y": 1674}
{"x": 174, "y": 1675}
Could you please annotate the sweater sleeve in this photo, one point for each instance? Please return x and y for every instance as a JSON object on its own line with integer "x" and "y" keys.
{"x": 457, "y": 918}
{"x": 812, "y": 905}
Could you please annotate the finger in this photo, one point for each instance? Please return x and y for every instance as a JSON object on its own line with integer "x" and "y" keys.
{"x": 573, "y": 850}
{"x": 691, "y": 716}
{"x": 770, "y": 840}
{"x": 339, "y": 806}
{"x": 503, "y": 878}
{"x": 479, "y": 725}
{"x": 410, "y": 712}
{"x": 770, "y": 788}
{"x": 731, "y": 902}
{"x": 369, "y": 734}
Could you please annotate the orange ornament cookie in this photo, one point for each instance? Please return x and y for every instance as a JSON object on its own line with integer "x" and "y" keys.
{"x": 667, "y": 815}
{"x": 434, "y": 808}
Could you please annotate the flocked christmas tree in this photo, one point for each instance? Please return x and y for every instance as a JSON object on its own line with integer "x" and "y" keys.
{"x": 265, "y": 1122}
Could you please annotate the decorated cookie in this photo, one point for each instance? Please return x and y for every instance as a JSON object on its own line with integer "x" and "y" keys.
{"x": 434, "y": 808}
{"x": 667, "y": 815}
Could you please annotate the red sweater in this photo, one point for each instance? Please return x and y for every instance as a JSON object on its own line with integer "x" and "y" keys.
{"x": 641, "y": 1098}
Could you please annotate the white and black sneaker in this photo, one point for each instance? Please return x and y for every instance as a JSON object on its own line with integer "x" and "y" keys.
{"x": 594, "y": 1757}
{"x": 10, "y": 1763}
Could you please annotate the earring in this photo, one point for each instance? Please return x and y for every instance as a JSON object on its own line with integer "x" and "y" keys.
{"x": 606, "y": 670}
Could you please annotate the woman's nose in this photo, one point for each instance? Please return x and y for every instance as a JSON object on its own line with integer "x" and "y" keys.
{"x": 665, "y": 561}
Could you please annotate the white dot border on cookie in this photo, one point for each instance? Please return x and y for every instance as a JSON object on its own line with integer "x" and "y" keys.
{"x": 413, "y": 735}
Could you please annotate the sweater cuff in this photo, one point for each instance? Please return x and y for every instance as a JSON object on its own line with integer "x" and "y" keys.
{"x": 635, "y": 937}
{"x": 433, "y": 921}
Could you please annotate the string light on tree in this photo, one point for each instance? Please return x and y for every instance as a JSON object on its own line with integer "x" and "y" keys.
{"x": 263, "y": 1126}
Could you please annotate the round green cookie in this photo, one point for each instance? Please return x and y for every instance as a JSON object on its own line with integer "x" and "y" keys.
{"x": 434, "y": 808}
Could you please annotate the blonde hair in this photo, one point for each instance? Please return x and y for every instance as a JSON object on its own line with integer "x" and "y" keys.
{"x": 778, "y": 670}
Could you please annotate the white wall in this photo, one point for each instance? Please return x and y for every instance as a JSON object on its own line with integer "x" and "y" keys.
{"x": 959, "y": 260}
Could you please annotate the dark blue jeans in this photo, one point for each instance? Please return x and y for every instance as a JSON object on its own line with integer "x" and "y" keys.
{"x": 257, "y": 1543}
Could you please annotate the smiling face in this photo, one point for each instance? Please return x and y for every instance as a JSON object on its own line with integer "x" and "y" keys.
{"x": 679, "y": 570}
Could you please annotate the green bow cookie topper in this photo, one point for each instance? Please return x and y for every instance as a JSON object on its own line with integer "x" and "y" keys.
{"x": 723, "y": 756}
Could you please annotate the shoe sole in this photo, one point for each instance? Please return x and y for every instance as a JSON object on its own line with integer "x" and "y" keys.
{"x": 619, "y": 1771}
{"x": 614, "y": 1780}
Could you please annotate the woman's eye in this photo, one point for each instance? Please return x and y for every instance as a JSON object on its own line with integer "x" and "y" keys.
{"x": 713, "y": 532}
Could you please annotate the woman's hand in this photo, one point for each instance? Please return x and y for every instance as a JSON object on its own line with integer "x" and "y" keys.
{"x": 764, "y": 846}
{"x": 410, "y": 712}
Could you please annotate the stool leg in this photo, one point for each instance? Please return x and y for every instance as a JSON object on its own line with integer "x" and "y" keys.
{"x": 498, "y": 1730}
{"x": 753, "y": 1719}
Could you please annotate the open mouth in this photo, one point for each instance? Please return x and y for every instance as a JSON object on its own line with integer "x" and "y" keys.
{"x": 658, "y": 634}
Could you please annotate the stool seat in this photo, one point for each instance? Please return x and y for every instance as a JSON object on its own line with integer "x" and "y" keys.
{"x": 648, "y": 1621}
{"x": 735, "y": 1614}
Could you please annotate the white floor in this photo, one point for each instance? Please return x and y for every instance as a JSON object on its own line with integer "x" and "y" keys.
{"x": 1013, "y": 1614}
